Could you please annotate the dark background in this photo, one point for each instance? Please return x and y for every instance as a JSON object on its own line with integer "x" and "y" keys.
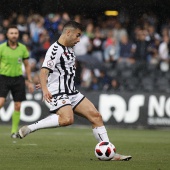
{"x": 87, "y": 8}
{"x": 90, "y": 8}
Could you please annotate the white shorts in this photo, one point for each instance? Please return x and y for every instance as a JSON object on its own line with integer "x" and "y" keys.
{"x": 59, "y": 101}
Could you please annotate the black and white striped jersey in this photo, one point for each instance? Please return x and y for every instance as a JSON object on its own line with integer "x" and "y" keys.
{"x": 60, "y": 60}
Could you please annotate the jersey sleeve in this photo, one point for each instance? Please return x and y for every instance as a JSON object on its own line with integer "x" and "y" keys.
{"x": 51, "y": 58}
{"x": 0, "y": 52}
{"x": 25, "y": 53}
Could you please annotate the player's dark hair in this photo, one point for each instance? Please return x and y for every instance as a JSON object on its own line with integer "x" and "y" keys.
{"x": 74, "y": 25}
{"x": 12, "y": 26}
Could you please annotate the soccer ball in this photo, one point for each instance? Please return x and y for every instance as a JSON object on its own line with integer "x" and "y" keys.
{"x": 105, "y": 151}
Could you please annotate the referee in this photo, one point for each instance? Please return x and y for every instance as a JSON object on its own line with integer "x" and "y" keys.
{"x": 12, "y": 55}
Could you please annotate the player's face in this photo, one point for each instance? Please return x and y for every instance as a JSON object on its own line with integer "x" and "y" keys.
{"x": 13, "y": 35}
{"x": 74, "y": 37}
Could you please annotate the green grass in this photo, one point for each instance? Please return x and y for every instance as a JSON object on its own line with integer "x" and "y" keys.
{"x": 72, "y": 148}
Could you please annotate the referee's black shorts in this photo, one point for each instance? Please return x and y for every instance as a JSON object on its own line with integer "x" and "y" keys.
{"x": 16, "y": 85}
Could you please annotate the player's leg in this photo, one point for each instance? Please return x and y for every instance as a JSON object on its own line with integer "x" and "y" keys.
{"x": 3, "y": 90}
{"x": 15, "y": 119}
{"x": 64, "y": 116}
{"x": 18, "y": 91}
{"x": 2, "y": 101}
{"x": 86, "y": 109}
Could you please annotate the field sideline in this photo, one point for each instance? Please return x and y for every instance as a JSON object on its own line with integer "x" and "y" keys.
{"x": 72, "y": 148}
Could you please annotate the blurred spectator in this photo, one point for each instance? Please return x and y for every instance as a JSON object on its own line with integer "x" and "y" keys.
{"x": 4, "y": 25}
{"x": 141, "y": 54}
{"x": 22, "y": 25}
{"x": 111, "y": 48}
{"x": 104, "y": 28}
{"x": 153, "y": 56}
{"x": 51, "y": 24}
{"x": 127, "y": 50}
{"x": 40, "y": 62}
{"x": 36, "y": 30}
{"x": 44, "y": 40}
{"x": 110, "y": 42}
{"x": 83, "y": 47}
{"x": 36, "y": 78}
{"x": 78, "y": 74}
{"x": 77, "y": 18}
{"x": 90, "y": 30}
{"x": 135, "y": 32}
{"x": 56, "y": 33}
{"x": 86, "y": 77}
{"x": 164, "y": 53}
{"x": 119, "y": 31}
{"x": 152, "y": 34}
{"x": 150, "y": 17}
{"x": 26, "y": 40}
{"x": 2, "y": 38}
{"x": 104, "y": 80}
{"x": 41, "y": 46}
{"x": 95, "y": 84}
{"x": 36, "y": 27}
{"x": 164, "y": 49}
{"x": 13, "y": 18}
{"x": 33, "y": 65}
{"x": 65, "y": 17}
{"x": 165, "y": 31}
{"x": 114, "y": 85}
{"x": 141, "y": 49}
{"x": 97, "y": 45}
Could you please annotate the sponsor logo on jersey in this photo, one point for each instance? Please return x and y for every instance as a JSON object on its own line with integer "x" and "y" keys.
{"x": 63, "y": 101}
{"x": 50, "y": 63}
{"x": 19, "y": 60}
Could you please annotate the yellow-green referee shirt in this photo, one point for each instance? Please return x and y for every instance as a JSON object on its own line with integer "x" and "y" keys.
{"x": 11, "y": 59}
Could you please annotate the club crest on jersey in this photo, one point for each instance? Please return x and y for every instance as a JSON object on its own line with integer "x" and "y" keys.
{"x": 50, "y": 63}
{"x": 63, "y": 101}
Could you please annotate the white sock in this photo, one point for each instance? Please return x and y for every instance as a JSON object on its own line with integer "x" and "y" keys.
{"x": 100, "y": 134}
{"x": 48, "y": 122}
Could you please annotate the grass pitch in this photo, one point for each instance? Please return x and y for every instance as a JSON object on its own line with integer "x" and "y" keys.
{"x": 72, "y": 148}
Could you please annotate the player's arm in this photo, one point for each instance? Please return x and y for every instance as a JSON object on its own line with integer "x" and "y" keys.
{"x": 27, "y": 70}
{"x": 44, "y": 72}
{"x": 29, "y": 81}
{"x": 47, "y": 67}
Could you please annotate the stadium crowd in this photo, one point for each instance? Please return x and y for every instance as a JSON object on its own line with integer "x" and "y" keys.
{"x": 114, "y": 53}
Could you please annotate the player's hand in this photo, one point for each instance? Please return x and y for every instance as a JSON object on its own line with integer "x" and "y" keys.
{"x": 30, "y": 87}
{"x": 38, "y": 86}
{"x": 47, "y": 96}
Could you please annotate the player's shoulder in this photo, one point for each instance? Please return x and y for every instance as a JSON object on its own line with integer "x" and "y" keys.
{"x": 21, "y": 45}
{"x": 4, "y": 44}
{"x": 55, "y": 47}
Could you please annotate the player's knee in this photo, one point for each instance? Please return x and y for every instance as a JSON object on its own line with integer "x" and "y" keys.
{"x": 98, "y": 117}
{"x": 17, "y": 106}
{"x": 95, "y": 116}
{"x": 66, "y": 121}
{"x": 1, "y": 104}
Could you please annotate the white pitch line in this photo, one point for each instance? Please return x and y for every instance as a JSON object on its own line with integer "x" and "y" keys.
{"x": 31, "y": 144}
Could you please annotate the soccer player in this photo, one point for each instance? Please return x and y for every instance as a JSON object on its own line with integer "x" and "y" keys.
{"x": 57, "y": 82}
{"x": 12, "y": 55}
